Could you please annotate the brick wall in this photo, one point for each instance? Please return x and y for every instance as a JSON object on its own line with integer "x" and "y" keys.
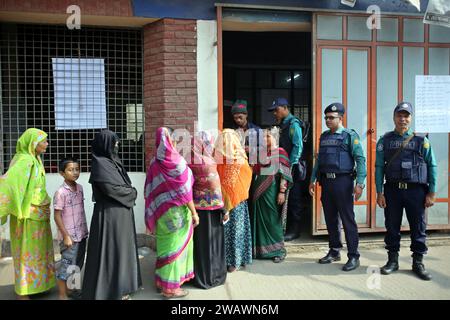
{"x": 121, "y": 8}
{"x": 170, "y": 77}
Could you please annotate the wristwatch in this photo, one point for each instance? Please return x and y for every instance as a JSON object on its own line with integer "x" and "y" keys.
{"x": 361, "y": 185}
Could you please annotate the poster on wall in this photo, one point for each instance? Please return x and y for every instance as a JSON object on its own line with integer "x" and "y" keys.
{"x": 79, "y": 88}
{"x": 438, "y": 13}
{"x": 432, "y": 107}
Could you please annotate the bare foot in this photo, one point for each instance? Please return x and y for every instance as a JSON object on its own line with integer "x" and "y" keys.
{"x": 25, "y": 297}
{"x": 63, "y": 297}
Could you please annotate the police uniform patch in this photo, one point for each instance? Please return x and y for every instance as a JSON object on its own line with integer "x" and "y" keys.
{"x": 356, "y": 141}
{"x": 380, "y": 147}
{"x": 291, "y": 131}
{"x": 426, "y": 145}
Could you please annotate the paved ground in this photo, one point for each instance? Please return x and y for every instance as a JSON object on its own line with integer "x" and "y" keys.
{"x": 301, "y": 277}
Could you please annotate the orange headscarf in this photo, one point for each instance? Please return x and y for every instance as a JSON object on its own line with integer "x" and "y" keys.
{"x": 233, "y": 168}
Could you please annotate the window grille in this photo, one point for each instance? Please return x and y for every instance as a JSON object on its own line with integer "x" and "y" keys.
{"x": 31, "y": 96}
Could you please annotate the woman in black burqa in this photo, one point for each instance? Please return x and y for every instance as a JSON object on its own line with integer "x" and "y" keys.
{"x": 112, "y": 264}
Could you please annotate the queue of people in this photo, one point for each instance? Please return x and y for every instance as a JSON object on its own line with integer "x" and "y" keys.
{"x": 214, "y": 214}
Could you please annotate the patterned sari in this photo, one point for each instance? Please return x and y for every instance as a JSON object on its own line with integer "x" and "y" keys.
{"x": 174, "y": 249}
{"x": 168, "y": 188}
{"x": 268, "y": 235}
{"x": 24, "y": 198}
{"x": 235, "y": 178}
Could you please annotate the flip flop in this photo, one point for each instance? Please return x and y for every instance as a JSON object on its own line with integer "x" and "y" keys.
{"x": 181, "y": 294}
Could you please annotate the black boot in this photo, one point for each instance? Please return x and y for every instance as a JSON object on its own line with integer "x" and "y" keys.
{"x": 419, "y": 268}
{"x": 293, "y": 233}
{"x": 392, "y": 263}
{"x": 332, "y": 255}
{"x": 351, "y": 264}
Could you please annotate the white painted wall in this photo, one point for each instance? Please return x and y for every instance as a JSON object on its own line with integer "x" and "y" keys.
{"x": 54, "y": 181}
{"x": 208, "y": 116}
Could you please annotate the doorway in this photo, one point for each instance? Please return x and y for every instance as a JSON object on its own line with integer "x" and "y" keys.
{"x": 260, "y": 66}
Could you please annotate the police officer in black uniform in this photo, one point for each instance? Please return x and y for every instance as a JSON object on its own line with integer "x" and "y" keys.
{"x": 406, "y": 160}
{"x": 339, "y": 150}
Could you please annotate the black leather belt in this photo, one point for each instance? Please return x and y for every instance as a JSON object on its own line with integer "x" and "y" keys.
{"x": 404, "y": 185}
{"x": 332, "y": 175}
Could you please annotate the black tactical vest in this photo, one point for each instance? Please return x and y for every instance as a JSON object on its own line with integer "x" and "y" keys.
{"x": 409, "y": 165}
{"x": 334, "y": 155}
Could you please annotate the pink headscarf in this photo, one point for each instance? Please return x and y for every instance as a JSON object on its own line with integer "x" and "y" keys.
{"x": 169, "y": 180}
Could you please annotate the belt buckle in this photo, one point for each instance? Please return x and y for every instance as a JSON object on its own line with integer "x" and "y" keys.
{"x": 331, "y": 175}
{"x": 403, "y": 185}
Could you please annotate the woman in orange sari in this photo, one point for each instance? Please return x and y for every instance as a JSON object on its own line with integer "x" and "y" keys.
{"x": 235, "y": 177}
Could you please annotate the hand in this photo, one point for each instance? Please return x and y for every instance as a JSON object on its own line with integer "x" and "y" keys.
{"x": 311, "y": 189}
{"x": 429, "y": 199}
{"x": 226, "y": 217}
{"x": 381, "y": 200}
{"x": 281, "y": 198}
{"x": 358, "y": 192}
{"x": 68, "y": 241}
{"x": 195, "y": 220}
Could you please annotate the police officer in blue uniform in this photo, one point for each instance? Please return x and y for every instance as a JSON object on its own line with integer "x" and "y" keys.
{"x": 339, "y": 150}
{"x": 406, "y": 161}
{"x": 291, "y": 141}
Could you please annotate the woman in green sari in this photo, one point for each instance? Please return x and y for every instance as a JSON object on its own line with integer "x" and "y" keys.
{"x": 24, "y": 198}
{"x": 269, "y": 190}
{"x": 170, "y": 214}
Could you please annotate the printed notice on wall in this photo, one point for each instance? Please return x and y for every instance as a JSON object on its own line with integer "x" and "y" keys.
{"x": 80, "y": 99}
{"x": 432, "y": 108}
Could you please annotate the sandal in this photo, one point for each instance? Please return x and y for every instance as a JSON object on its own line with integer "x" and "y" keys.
{"x": 279, "y": 259}
{"x": 179, "y": 294}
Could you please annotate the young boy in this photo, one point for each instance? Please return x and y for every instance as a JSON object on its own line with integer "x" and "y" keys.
{"x": 70, "y": 218}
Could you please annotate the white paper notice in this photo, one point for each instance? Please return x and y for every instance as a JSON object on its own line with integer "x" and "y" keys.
{"x": 80, "y": 99}
{"x": 432, "y": 109}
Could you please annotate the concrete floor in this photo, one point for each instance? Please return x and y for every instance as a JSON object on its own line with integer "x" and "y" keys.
{"x": 300, "y": 277}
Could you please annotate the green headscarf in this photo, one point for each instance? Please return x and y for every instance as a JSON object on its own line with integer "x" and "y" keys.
{"x": 18, "y": 184}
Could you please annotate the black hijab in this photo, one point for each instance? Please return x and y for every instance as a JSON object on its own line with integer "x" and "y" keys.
{"x": 106, "y": 166}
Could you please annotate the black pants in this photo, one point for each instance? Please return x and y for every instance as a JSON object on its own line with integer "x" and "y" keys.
{"x": 337, "y": 201}
{"x": 298, "y": 202}
{"x": 413, "y": 201}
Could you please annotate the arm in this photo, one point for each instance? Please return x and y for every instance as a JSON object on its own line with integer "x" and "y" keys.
{"x": 59, "y": 223}
{"x": 297, "y": 143}
{"x": 314, "y": 174}
{"x": 125, "y": 195}
{"x": 432, "y": 172}
{"x": 195, "y": 218}
{"x": 282, "y": 193}
{"x": 379, "y": 174}
{"x": 360, "y": 160}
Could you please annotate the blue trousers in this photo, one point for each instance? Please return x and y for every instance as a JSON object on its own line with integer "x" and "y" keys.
{"x": 413, "y": 201}
{"x": 337, "y": 201}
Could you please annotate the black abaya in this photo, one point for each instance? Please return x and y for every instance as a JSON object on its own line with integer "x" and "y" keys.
{"x": 210, "y": 267}
{"x": 112, "y": 264}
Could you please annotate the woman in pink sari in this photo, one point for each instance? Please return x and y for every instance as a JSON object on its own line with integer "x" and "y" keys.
{"x": 170, "y": 214}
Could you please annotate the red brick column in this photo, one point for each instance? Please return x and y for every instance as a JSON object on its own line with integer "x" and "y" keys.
{"x": 170, "y": 77}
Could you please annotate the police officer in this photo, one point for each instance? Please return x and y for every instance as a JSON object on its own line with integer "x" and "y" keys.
{"x": 339, "y": 150}
{"x": 291, "y": 142}
{"x": 407, "y": 162}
